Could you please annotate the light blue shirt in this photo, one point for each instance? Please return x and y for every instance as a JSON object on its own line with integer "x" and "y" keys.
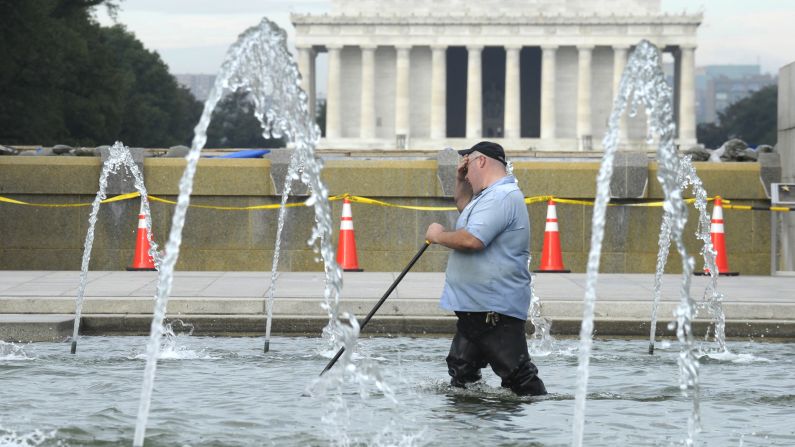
{"x": 495, "y": 279}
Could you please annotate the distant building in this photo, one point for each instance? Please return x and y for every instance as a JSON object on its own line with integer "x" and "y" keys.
{"x": 527, "y": 73}
{"x": 198, "y": 84}
{"x": 719, "y": 86}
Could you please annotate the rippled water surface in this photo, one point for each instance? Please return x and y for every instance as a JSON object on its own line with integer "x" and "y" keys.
{"x": 225, "y": 391}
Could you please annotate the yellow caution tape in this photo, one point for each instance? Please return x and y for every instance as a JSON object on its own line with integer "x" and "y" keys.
{"x": 369, "y": 201}
{"x": 529, "y": 200}
{"x": 778, "y": 209}
{"x": 570, "y": 201}
{"x": 273, "y": 206}
{"x": 118, "y": 198}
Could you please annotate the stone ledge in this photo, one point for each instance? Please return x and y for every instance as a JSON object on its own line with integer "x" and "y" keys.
{"x": 32, "y": 328}
{"x": 744, "y": 184}
{"x": 250, "y": 325}
{"x": 409, "y": 307}
{"x": 51, "y": 238}
{"x": 640, "y": 328}
{"x": 254, "y": 325}
{"x": 57, "y": 177}
{"x": 181, "y": 306}
{"x": 630, "y": 175}
{"x": 769, "y": 170}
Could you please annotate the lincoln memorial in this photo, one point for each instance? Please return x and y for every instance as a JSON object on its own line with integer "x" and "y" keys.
{"x": 530, "y": 74}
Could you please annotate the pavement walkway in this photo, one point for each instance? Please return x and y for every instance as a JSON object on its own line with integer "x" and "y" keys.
{"x": 40, "y": 305}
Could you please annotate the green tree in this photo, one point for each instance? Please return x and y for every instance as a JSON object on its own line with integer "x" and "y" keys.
{"x": 65, "y": 79}
{"x": 233, "y": 125}
{"x": 751, "y": 119}
{"x": 37, "y": 41}
{"x": 711, "y": 135}
{"x": 320, "y": 116}
{"x": 154, "y": 111}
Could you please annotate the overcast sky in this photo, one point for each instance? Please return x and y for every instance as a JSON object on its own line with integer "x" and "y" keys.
{"x": 192, "y": 35}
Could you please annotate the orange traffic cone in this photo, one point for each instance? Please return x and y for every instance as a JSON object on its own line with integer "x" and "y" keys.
{"x": 551, "y": 257}
{"x": 142, "y": 260}
{"x": 718, "y": 240}
{"x": 346, "y": 246}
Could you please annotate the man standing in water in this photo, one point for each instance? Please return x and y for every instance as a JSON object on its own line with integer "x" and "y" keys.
{"x": 487, "y": 282}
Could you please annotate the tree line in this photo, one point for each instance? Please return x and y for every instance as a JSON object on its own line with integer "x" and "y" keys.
{"x": 751, "y": 119}
{"x": 68, "y": 80}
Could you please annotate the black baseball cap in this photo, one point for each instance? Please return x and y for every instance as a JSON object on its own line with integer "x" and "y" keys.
{"x": 488, "y": 149}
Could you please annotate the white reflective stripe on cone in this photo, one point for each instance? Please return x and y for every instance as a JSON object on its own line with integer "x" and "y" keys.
{"x": 551, "y": 226}
{"x": 346, "y": 210}
{"x": 717, "y": 212}
{"x": 141, "y": 221}
{"x": 551, "y": 213}
{"x": 716, "y": 228}
{"x": 346, "y": 225}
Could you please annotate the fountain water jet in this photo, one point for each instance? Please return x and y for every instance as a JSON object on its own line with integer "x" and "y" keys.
{"x": 330, "y": 386}
{"x": 118, "y": 158}
{"x": 541, "y": 342}
{"x": 643, "y": 84}
{"x": 260, "y": 64}
{"x": 712, "y": 298}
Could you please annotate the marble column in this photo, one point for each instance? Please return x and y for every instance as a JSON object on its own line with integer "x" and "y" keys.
{"x": 439, "y": 92}
{"x": 687, "y": 100}
{"x": 584, "y": 93}
{"x": 619, "y": 63}
{"x": 549, "y": 54}
{"x": 306, "y": 65}
{"x": 402, "y": 91}
{"x": 677, "y": 95}
{"x": 474, "y": 121}
{"x": 333, "y": 96}
{"x": 367, "y": 110}
{"x": 513, "y": 108}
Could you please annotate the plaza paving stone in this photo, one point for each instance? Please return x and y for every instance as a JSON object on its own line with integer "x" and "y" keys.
{"x": 233, "y": 303}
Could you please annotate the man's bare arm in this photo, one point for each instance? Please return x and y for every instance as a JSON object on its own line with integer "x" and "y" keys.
{"x": 457, "y": 240}
{"x": 463, "y": 190}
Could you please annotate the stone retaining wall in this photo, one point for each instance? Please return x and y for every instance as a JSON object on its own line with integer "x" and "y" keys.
{"x": 44, "y": 238}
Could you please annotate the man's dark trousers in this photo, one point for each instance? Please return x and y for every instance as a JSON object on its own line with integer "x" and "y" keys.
{"x": 489, "y": 338}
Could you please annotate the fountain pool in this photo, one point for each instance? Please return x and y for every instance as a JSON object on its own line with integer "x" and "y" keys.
{"x": 225, "y": 391}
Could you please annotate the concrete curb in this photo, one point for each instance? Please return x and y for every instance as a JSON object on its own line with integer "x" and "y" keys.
{"x": 394, "y": 307}
{"x": 254, "y": 325}
{"x": 34, "y": 328}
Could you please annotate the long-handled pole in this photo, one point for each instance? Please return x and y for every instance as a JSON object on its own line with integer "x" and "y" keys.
{"x": 380, "y": 302}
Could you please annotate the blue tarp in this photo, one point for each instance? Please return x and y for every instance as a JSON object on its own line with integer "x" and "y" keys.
{"x": 248, "y": 153}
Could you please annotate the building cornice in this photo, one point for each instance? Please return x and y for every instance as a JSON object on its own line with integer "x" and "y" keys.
{"x": 496, "y": 20}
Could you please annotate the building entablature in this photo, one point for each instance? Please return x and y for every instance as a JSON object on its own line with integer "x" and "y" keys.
{"x": 663, "y": 30}
{"x": 480, "y": 19}
{"x": 322, "y": 41}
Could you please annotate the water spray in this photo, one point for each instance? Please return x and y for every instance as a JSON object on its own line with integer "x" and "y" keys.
{"x": 119, "y": 157}
{"x": 643, "y": 84}
{"x": 259, "y": 63}
{"x": 380, "y": 302}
